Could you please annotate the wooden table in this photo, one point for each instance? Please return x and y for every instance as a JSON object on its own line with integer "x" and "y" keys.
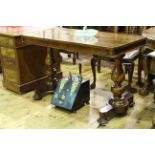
{"x": 102, "y": 44}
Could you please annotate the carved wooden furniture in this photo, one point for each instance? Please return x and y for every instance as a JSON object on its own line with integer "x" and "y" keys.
{"x": 147, "y": 60}
{"x": 102, "y": 44}
{"x": 150, "y": 67}
{"x": 128, "y": 61}
{"x": 142, "y": 66}
{"x": 23, "y": 64}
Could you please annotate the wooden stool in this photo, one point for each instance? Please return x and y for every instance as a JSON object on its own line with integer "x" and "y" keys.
{"x": 128, "y": 61}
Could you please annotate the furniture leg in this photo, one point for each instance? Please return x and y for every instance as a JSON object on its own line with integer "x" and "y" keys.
{"x": 93, "y": 66}
{"x": 119, "y": 102}
{"x": 139, "y": 82}
{"x": 74, "y": 58}
{"x": 99, "y": 66}
{"x": 130, "y": 69}
{"x": 145, "y": 90}
{"x": 51, "y": 84}
{"x": 77, "y": 55}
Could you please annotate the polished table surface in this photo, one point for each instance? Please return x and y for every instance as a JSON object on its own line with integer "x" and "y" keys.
{"x": 103, "y": 42}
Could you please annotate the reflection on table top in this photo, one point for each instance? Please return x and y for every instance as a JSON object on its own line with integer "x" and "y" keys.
{"x": 101, "y": 39}
{"x": 150, "y": 33}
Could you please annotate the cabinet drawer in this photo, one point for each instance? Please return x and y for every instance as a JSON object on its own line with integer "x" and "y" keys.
{"x": 7, "y": 41}
{"x": 8, "y": 52}
{"x": 9, "y": 63}
{"x": 10, "y": 75}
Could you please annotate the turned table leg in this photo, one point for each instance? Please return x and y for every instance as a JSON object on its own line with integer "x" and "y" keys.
{"x": 119, "y": 102}
{"x": 145, "y": 90}
{"x": 93, "y": 66}
{"x": 140, "y": 68}
{"x": 51, "y": 83}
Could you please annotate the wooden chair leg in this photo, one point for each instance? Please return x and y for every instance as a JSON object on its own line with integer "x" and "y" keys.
{"x": 130, "y": 69}
{"x": 74, "y": 58}
{"x": 140, "y": 68}
{"x": 93, "y": 66}
{"x": 99, "y": 66}
{"x": 60, "y": 58}
{"x": 77, "y": 55}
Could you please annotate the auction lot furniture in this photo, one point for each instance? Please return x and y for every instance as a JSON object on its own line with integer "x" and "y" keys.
{"x": 150, "y": 34}
{"x": 23, "y": 64}
{"x": 102, "y": 44}
{"x": 149, "y": 59}
{"x": 128, "y": 61}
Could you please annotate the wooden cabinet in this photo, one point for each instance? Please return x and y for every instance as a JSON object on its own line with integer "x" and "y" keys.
{"x": 24, "y": 66}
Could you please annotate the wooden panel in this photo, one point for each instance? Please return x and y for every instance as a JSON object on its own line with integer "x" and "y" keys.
{"x": 7, "y": 41}
{"x": 31, "y": 61}
{"x": 8, "y": 52}
{"x": 25, "y": 67}
{"x": 10, "y": 75}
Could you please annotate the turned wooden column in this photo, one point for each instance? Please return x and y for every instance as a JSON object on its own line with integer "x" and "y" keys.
{"x": 50, "y": 85}
{"x": 119, "y": 103}
{"x": 52, "y": 71}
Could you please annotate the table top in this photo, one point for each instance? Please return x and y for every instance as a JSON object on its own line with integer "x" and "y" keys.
{"x": 101, "y": 39}
{"x": 84, "y": 41}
